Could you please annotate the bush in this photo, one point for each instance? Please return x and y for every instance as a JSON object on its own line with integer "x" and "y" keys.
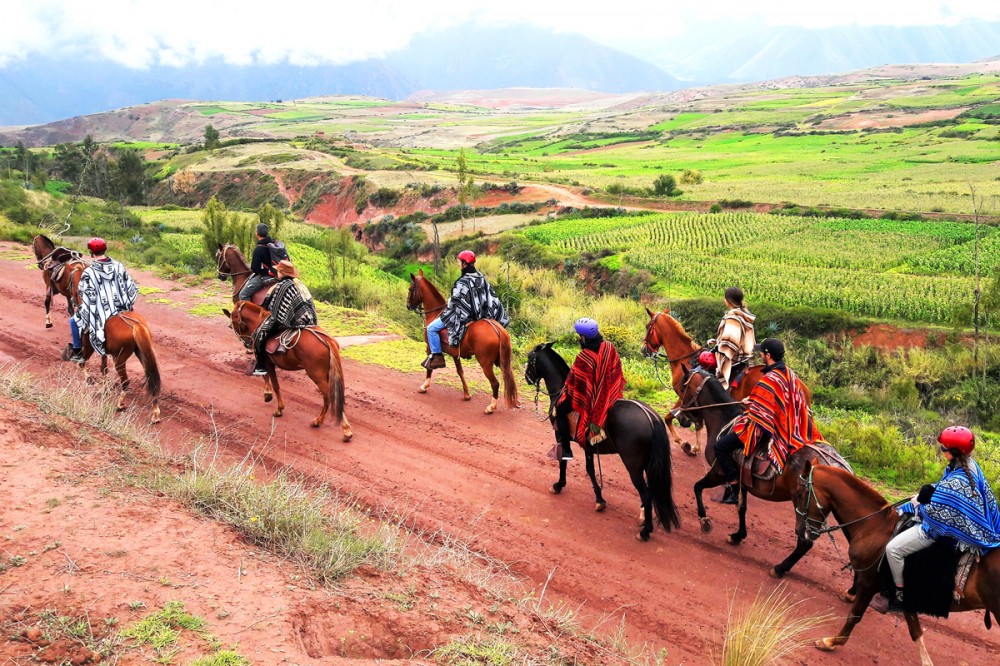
{"x": 691, "y": 177}
{"x": 665, "y": 185}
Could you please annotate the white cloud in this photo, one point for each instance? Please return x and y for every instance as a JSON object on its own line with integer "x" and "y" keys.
{"x": 139, "y": 33}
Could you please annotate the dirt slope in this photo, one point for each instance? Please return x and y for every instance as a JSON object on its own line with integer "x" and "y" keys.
{"x": 486, "y": 479}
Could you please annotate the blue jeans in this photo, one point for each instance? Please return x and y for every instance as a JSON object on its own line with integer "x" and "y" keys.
{"x": 250, "y": 287}
{"x": 74, "y": 330}
{"x": 434, "y": 335}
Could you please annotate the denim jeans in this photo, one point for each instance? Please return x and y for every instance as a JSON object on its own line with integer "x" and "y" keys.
{"x": 434, "y": 335}
{"x": 250, "y": 287}
{"x": 74, "y": 330}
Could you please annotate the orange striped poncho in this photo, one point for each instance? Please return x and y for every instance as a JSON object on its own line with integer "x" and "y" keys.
{"x": 778, "y": 406}
{"x": 595, "y": 382}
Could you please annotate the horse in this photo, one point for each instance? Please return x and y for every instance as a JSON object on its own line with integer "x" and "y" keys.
{"x": 704, "y": 397}
{"x": 634, "y": 431}
{"x": 485, "y": 339}
{"x": 314, "y": 351}
{"x": 665, "y": 332}
{"x": 49, "y": 259}
{"x": 867, "y": 521}
{"x": 230, "y": 263}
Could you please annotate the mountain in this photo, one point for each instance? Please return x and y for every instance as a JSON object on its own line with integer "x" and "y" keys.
{"x": 737, "y": 52}
{"x": 45, "y": 89}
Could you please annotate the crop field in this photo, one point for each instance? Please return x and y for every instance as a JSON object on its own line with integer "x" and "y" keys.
{"x": 915, "y": 271}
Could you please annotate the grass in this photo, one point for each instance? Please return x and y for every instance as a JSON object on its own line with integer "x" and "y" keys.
{"x": 93, "y": 636}
{"x": 161, "y": 630}
{"x": 767, "y": 631}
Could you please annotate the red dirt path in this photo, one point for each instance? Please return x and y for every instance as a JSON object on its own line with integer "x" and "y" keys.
{"x": 485, "y": 479}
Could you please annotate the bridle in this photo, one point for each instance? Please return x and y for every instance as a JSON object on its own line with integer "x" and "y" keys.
{"x": 656, "y": 354}
{"x": 532, "y": 371}
{"x": 245, "y": 338}
{"x": 419, "y": 307}
{"x": 221, "y": 260}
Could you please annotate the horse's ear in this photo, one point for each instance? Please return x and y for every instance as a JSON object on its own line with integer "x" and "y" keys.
{"x": 806, "y": 469}
{"x": 685, "y": 370}
{"x": 228, "y": 314}
{"x": 420, "y": 272}
{"x": 650, "y": 313}
{"x": 220, "y": 247}
{"x": 666, "y": 310}
{"x": 547, "y": 345}
{"x": 413, "y": 278}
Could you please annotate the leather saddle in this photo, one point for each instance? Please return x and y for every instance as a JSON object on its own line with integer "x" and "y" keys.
{"x": 759, "y": 466}
{"x": 736, "y": 374}
{"x": 283, "y": 341}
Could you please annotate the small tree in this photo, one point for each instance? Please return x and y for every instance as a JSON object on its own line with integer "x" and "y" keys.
{"x": 211, "y": 138}
{"x": 272, "y": 217}
{"x": 691, "y": 177}
{"x": 219, "y": 226}
{"x": 464, "y": 185}
{"x": 666, "y": 186}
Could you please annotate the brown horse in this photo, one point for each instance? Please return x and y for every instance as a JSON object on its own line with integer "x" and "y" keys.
{"x": 57, "y": 261}
{"x": 315, "y": 351}
{"x": 867, "y": 520}
{"x": 704, "y": 396}
{"x": 663, "y": 331}
{"x": 485, "y": 339}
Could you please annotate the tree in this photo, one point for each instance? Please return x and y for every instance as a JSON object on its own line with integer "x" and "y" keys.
{"x": 272, "y": 217}
{"x": 211, "y": 138}
{"x": 691, "y": 177}
{"x": 666, "y": 185}
{"x": 464, "y": 185}
{"x": 129, "y": 178}
{"x": 220, "y": 227}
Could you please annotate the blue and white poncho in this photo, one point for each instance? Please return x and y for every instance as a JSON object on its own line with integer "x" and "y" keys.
{"x": 472, "y": 298}
{"x": 106, "y": 289}
{"x": 966, "y": 513}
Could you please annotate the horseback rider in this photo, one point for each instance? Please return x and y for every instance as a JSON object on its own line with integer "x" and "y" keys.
{"x": 960, "y": 506}
{"x": 735, "y": 340}
{"x": 105, "y": 290}
{"x": 472, "y": 298}
{"x": 262, "y": 271}
{"x": 290, "y": 305}
{"x": 777, "y": 417}
{"x": 594, "y": 383}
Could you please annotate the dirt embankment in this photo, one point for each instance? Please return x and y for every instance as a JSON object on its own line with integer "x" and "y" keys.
{"x": 451, "y": 471}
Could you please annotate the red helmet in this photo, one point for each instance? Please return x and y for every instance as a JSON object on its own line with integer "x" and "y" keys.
{"x": 706, "y": 359}
{"x": 97, "y": 245}
{"x": 959, "y": 438}
{"x": 468, "y": 256}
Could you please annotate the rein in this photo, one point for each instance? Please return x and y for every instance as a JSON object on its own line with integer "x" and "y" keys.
{"x": 222, "y": 259}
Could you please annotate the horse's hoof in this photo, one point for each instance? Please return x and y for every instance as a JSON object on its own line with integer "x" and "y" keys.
{"x": 600, "y": 506}
{"x": 689, "y": 449}
{"x": 825, "y": 644}
{"x": 348, "y": 436}
{"x": 848, "y": 597}
{"x": 277, "y": 413}
{"x": 733, "y": 541}
{"x": 489, "y": 410}
{"x": 48, "y": 325}
{"x": 466, "y": 397}
{"x": 775, "y": 573}
{"x": 706, "y": 525}
{"x": 642, "y": 536}
{"x": 555, "y": 489}
{"x": 268, "y": 397}
{"x": 316, "y": 423}
{"x": 422, "y": 389}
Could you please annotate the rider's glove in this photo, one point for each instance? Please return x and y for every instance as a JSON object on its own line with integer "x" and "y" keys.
{"x": 924, "y": 496}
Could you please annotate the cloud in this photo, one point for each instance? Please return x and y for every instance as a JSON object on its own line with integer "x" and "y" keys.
{"x": 141, "y": 33}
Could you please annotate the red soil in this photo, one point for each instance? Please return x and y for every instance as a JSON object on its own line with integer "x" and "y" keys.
{"x": 450, "y": 469}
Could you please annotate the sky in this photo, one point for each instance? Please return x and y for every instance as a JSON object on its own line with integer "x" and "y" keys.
{"x": 142, "y": 33}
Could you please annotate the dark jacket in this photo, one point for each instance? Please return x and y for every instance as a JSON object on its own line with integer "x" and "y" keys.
{"x": 260, "y": 261}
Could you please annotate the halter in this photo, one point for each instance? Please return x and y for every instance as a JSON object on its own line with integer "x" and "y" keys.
{"x": 221, "y": 258}
{"x": 419, "y": 307}
{"x": 533, "y": 371}
{"x": 245, "y": 338}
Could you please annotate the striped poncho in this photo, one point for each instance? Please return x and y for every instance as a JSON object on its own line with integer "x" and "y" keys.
{"x": 472, "y": 299}
{"x": 105, "y": 289}
{"x": 778, "y": 406}
{"x": 962, "y": 511}
{"x": 595, "y": 382}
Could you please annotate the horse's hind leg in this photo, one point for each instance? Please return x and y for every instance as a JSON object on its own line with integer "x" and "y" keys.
{"x": 346, "y": 427}
{"x": 48, "y": 306}
{"x": 272, "y": 374}
{"x": 268, "y": 395}
{"x": 646, "y": 497}
{"x": 600, "y": 505}
{"x": 122, "y": 376}
{"x": 321, "y": 378}
{"x": 461, "y": 375}
{"x": 737, "y": 537}
{"x": 494, "y": 384}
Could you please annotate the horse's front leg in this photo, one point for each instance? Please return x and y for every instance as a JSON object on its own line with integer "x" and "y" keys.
{"x": 866, "y": 589}
{"x": 272, "y": 374}
{"x": 48, "y": 306}
{"x": 461, "y": 375}
{"x": 268, "y": 396}
{"x": 802, "y": 547}
{"x": 737, "y": 537}
{"x": 710, "y": 480}
{"x": 600, "y": 504}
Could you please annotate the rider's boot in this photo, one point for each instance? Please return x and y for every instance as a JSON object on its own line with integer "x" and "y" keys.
{"x": 434, "y": 361}
{"x": 732, "y": 495}
{"x": 260, "y": 367}
{"x": 567, "y": 450}
{"x": 76, "y": 356}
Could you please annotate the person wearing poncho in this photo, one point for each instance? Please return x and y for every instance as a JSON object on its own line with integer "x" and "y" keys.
{"x": 961, "y": 506}
{"x": 290, "y": 305}
{"x": 735, "y": 341}
{"x": 595, "y": 382}
{"x": 105, "y": 290}
{"x": 777, "y": 416}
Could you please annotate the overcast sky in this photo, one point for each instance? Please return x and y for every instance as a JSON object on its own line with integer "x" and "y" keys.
{"x": 139, "y": 33}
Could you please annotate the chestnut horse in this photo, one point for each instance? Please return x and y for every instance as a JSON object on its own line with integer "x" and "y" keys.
{"x": 663, "y": 331}
{"x": 230, "y": 263}
{"x": 485, "y": 339}
{"x": 49, "y": 259}
{"x": 867, "y": 521}
{"x": 315, "y": 351}
{"x": 703, "y": 395}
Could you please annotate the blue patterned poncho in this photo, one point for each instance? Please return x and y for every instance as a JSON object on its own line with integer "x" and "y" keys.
{"x": 968, "y": 514}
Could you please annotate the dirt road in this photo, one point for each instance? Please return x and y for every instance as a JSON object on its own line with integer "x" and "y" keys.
{"x": 485, "y": 479}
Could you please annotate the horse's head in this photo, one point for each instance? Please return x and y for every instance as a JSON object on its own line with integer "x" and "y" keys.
{"x": 42, "y": 247}
{"x": 243, "y": 320}
{"x": 532, "y": 373}
{"x": 222, "y": 268}
{"x": 692, "y": 385}
{"x": 810, "y": 516}
{"x": 414, "y": 297}
{"x": 651, "y": 343}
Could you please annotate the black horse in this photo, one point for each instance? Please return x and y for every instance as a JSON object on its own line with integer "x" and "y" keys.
{"x": 704, "y": 399}
{"x": 635, "y": 432}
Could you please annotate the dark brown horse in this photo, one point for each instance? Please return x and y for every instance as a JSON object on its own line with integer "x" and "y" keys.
{"x": 666, "y": 333}
{"x": 485, "y": 339}
{"x": 315, "y": 351}
{"x": 59, "y": 266}
{"x": 867, "y": 520}
{"x": 704, "y": 398}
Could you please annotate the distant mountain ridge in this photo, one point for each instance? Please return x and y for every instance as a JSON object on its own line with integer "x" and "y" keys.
{"x": 459, "y": 58}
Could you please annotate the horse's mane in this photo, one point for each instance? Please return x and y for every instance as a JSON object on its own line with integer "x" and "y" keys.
{"x": 554, "y": 357}
{"x": 855, "y": 482}
{"x": 433, "y": 288}
{"x": 679, "y": 330}
{"x": 719, "y": 396}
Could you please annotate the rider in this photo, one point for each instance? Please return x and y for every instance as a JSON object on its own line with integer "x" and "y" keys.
{"x": 734, "y": 343}
{"x": 291, "y": 306}
{"x": 261, "y": 269}
{"x": 777, "y": 413}
{"x": 960, "y": 506}
{"x": 472, "y": 298}
{"x": 105, "y": 289}
{"x": 594, "y": 383}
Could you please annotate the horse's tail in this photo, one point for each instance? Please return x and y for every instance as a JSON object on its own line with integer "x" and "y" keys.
{"x": 660, "y": 476}
{"x": 336, "y": 377}
{"x": 509, "y": 382}
{"x": 144, "y": 350}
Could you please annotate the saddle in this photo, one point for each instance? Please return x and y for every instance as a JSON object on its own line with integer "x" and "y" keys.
{"x": 759, "y": 466}
{"x": 736, "y": 374}
{"x": 283, "y": 341}
{"x": 258, "y": 296}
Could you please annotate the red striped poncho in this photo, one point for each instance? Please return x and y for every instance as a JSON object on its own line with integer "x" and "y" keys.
{"x": 594, "y": 383}
{"x": 778, "y": 405}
